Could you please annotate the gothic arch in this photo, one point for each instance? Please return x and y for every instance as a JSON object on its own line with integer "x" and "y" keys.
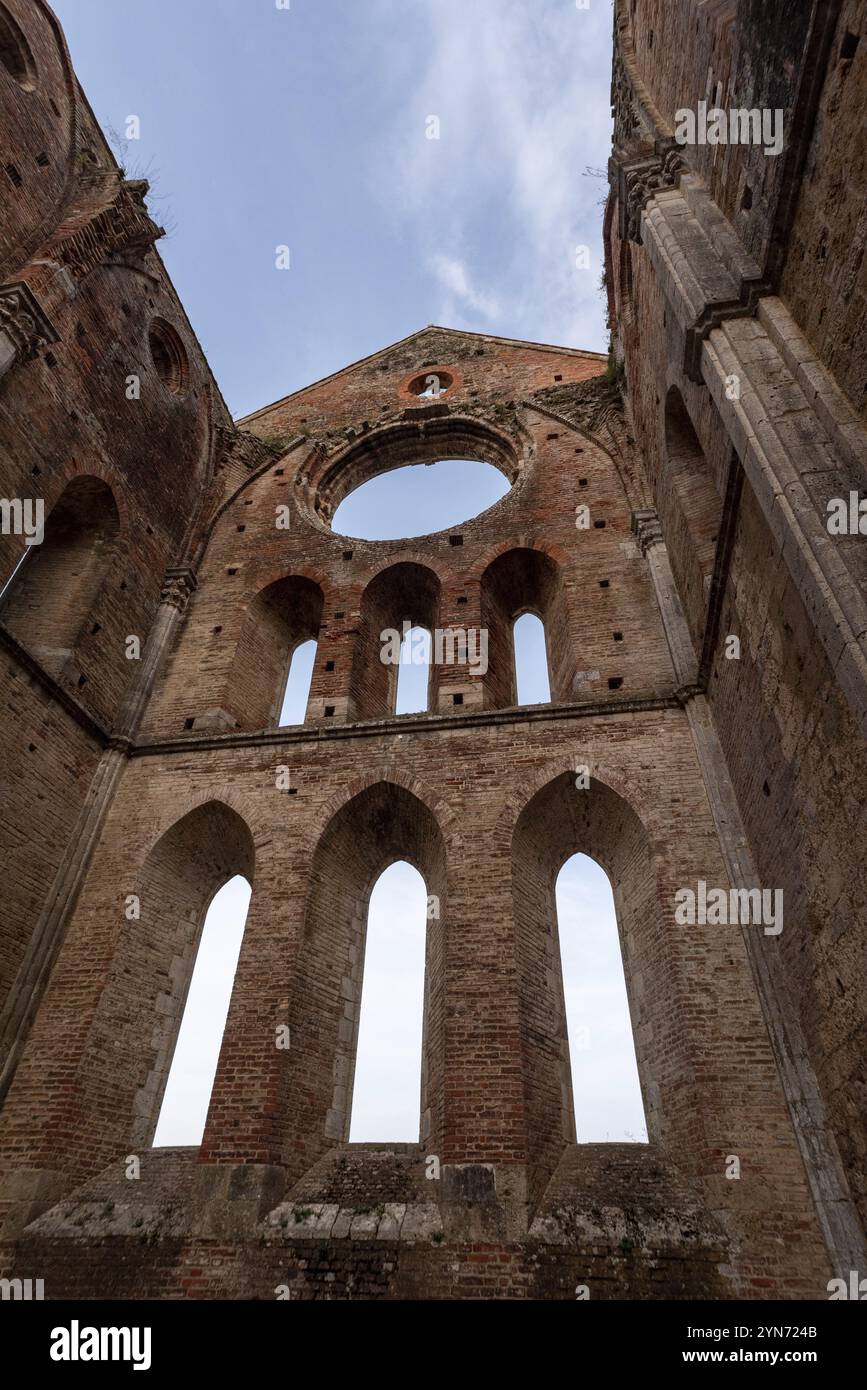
{"x": 278, "y": 618}
{"x": 224, "y": 795}
{"x": 559, "y": 820}
{"x": 372, "y": 829}
{"x": 180, "y": 876}
{"x": 446, "y": 817}
{"x": 404, "y": 591}
{"x": 146, "y": 928}
{"x": 524, "y": 579}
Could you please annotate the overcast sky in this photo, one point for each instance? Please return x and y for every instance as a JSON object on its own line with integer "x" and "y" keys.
{"x": 308, "y": 127}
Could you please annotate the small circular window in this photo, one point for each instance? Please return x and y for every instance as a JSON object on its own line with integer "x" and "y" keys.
{"x": 169, "y": 356}
{"x": 15, "y": 54}
{"x": 429, "y": 385}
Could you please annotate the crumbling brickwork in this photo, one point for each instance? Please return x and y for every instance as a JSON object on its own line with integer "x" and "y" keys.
{"x": 661, "y": 502}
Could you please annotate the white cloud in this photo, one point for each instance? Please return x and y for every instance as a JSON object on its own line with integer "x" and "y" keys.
{"x": 452, "y": 275}
{"x": 499, "y": 201}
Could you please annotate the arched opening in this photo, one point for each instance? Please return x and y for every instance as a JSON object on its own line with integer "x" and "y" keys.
{"x": 690, "y": 507}
{"x": 431, "y": 383}
{"x": 293, "y": 706}
{"x": 397, "y": 602}
{"x": 451, "y": 469}
{"x": 278, "y": 621}
{"x": 532, "y": 686}
{"x": 523, "y": 604}
{"x": 383, "y": 824}
{"x": 577, "y": 814}
{"x": 190, "y": 1080}
{"x": 179, "y": 883}
{"x": 412, "y": 694}
{"x": 145, "y": 925}
{"x": 48, "y": 603}
{"x": 606, "y": 1092}
{"x": 420, "y": 499}
{"x": 15, "y": 52}
{"x": 385, "y": 1095}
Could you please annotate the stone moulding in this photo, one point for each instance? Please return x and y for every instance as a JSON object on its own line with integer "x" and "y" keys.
{"x": 25, "y": 329}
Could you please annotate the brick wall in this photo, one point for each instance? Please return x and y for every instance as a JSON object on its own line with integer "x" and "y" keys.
{"x": 496, "y": 1199}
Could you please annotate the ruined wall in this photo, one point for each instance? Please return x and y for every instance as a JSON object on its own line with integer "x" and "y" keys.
{"x": 98, "y": 424}
{"x": 613, "y": 637}
{"x": 795, "y": 755}
{"x": 791, "y": 732}
{"x": 799, "y": 213}
{"x": 479, "y": 795}
{"x": 703, "y": 513}
{"x": 707, "y": 1072}
{"x": 48, "y": 761}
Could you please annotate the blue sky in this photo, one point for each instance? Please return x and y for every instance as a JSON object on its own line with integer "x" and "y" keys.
{"x": 307, "y": 127}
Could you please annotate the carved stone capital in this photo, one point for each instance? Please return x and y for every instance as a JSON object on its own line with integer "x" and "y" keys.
{"x": 178, "y": 586}
{"x": 639, "y": 178}
{"x": 23, "y": 324}
{"x": 647, "y": 529}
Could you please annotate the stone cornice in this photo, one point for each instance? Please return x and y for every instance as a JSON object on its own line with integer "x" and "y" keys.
{"x": 396, "y": 727}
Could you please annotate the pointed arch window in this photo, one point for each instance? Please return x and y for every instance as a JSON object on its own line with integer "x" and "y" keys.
{"x": 532, "y": 645}
{"x": 388, "y": 1058}
{"x": 269, "y": 681}
{"x": 392, "y": 670}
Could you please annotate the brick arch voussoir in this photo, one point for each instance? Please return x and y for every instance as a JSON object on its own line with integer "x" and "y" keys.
{"x": 518, "y": 541}
{"x": 260, "y": 580}
{"x": 408, "y": 556}
{"x": 159, "y": 825}
{"x": 613, "y": 777}
{"x": 91, "y": 468}
{"x": 444, "y": 815}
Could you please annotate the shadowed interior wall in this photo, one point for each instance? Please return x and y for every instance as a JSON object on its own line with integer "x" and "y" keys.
{"x": 690, "y": 508}
{"x": 787, "y": 401}
{"x": 50, "y": 601}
